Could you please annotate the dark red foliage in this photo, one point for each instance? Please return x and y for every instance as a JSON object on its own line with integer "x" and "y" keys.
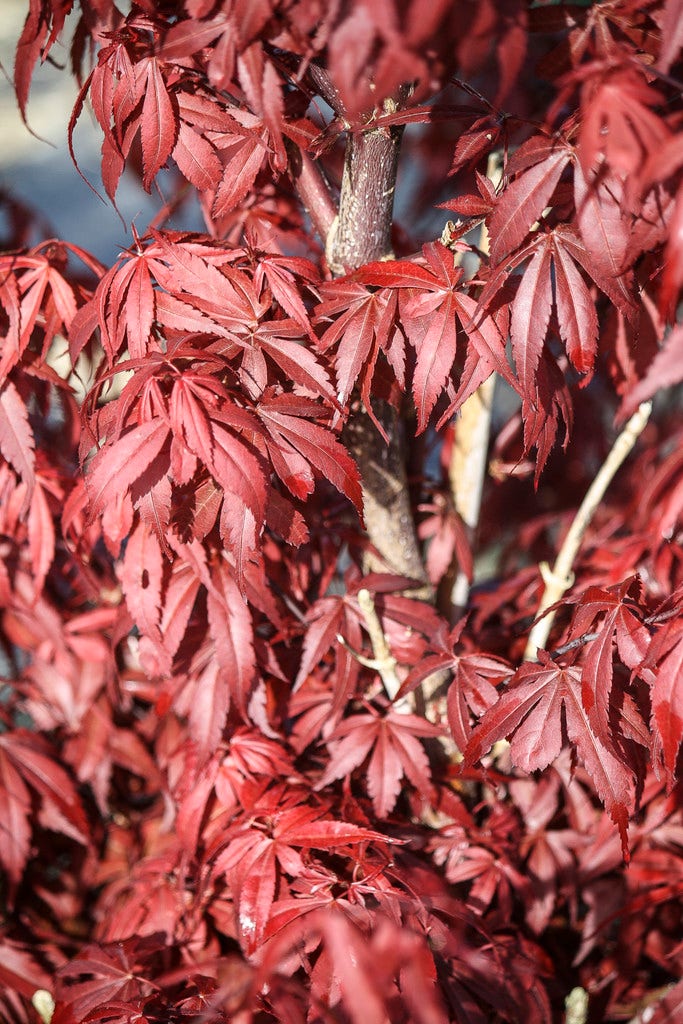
{"x": 249, "y": 771}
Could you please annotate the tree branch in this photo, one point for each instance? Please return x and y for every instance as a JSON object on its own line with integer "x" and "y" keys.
{"x": 467, "y": 469}
{"x": 560, "y": 578}
{"x": 384, "y": 661}
{"x": 313, "y": 190}
{"x": 363, "y": 233}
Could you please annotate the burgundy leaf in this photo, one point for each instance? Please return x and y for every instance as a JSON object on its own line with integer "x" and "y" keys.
{"x": 530, "y": 315}
{"x": 523, "y": 202}
{"x": 529, "y": 712}
{"x": 16, "y": 438}
{"x": 232, "y": 631}
{"x": 158, "y": 122}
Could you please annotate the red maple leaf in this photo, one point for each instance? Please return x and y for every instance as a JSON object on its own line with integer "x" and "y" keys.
{"x": 27, "y": 765}
{"x": 542, "y": 702}
{"x": 101, "y": 974}
{"x": 17, "y": 443}
{"x": 662, "y": 669}
{"x": 363, "y": 323}
{"x": 297, "y": 445}
{"x": 435, "y": 312}
{"x": 473, "y": 687}
{"x": 278, "y": 830}
{"x": 391, "y": 741}
{"x": 539, "y": 162}
{"x": 622, "y": 628}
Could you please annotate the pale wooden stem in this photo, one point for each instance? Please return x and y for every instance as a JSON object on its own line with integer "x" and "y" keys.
{"x": 576, "y": 1006}
{"x": 560, "y": 578}
{"x": 384, "y": 661}
{"x": 467, "y": 470}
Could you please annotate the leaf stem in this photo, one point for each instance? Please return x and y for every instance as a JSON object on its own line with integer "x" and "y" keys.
{"x": 560, "y": 578}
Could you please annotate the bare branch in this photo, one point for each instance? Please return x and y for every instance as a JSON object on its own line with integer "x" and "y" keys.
{"x": 560, "y": 578}
{"x": 467, "y": 469}
{"x": 313, "y": 190}
{"x": 384, "y": 661}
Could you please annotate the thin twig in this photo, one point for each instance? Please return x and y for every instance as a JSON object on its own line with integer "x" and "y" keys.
{"x": 576, "y": 1006}
{"x": 467, "y": 470}
{"x": 384, "y": 661}
{"x": 560, "y": 578}
{"x": 313, "y": 190}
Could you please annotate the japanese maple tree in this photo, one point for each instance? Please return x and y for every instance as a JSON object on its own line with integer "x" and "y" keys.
{"x": 342, "y": 615}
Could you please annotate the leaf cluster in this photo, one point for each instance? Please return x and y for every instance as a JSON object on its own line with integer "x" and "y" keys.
{"x": 211, "y": 806}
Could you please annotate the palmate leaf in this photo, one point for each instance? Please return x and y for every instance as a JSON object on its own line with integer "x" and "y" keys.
{"x": 184, "y": 270}
{"x": 605, "y": 232}
{"x": 27, "y": 765}
{"x": 15, "y": 811}
{"x": 238, "y": 471}
{"x": 269, "y": 842}
{"x": 116, "y": 467}
{"x": 576, "y": 313}
{"x": 532, "y": 711}
{"x": 12, "y": 344}
{"x": 362, "y": 971}
{"x": 665, "y": 370}
{"x": 288, "y": 420}
{"x": 102, "y": 974}
{"x": 434, "y": 312}
{"x": 326, "y": 620}
{"x": 392, "y": 740}
{"x": 41, "y": 30}
{"x": 362, "y": 324}
{"x": 138, "y": 307}
{"x": 141, "y": 580}
{"x": 283, "y": 342}
{"x": 41, "y": 534}
{"x": 61, "y": 805}
{"x": 196, "y": 158}
{"x": 619, "y": 125}
{"x": 286, "y": 276}
{"x": 232, "y": 630}
{"x": 530, "y": 316}
{"x": 19, "y": 972}
{"x": 619, "y": 626}
{"x": 472, "y": 688}
{"x": 209, "y": 706}
{"x": 672, "y": 38}
{"x": 436, "y": 348}
{"x": 552, "y": 278}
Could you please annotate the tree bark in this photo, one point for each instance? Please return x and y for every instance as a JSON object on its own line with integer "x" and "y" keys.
{"x": 362, "y": 232}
